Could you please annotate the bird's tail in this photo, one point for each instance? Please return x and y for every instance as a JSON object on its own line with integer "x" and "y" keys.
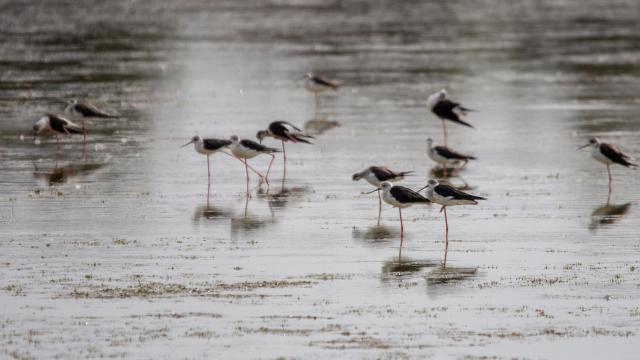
{"x": 466, "y": 109}
{"x": 405, "y": 173}
{"x": 462, "y": 122}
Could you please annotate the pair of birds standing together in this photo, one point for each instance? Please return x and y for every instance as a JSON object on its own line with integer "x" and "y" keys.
{"x": 245, "y": 149}
{"x": 60, "y": 125}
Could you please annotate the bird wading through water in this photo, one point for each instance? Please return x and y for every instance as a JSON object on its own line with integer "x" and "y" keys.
{"x": 376, "y": 175}
{"x": 283, "y": 131}
{"x": 247, "y": 149}
{"x": 208, "y": 147}
{"x": 447, "y": 195}
{"x": 58, "y": 125}
{"x": 446, "y": 109}
{"x": 318, "y": 84}
{"x": 400, "y": 197}
{"x": 609, "y": 154}
{"x": 446, "y": 157}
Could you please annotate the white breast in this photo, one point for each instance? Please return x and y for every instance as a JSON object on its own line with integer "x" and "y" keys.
{"x": 433, "y": 155}
{"x": 596, "y": 154}
{"x": 242, "y": 152}
{"x": 371, "y": 179}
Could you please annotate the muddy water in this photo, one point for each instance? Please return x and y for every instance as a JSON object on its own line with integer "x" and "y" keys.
{"x": 119, "y": 254}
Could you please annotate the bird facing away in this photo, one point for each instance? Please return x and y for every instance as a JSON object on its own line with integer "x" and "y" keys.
{"x": 376, "y": 175}
{"x": 447, "y": 195}
{"x": 318, "y": 84}
{"x": 400, "y": 197}
{"x": 208, "y": 147}
{"x": 446, "y": 109}
{"x": 86, "y": 109}
{"x": 445, "y": 156}
{"x": 57, "y": 125}
{"x": 284, "y": 131}
{"x": 247, "y": 149}
{"x": 609, "y": 154}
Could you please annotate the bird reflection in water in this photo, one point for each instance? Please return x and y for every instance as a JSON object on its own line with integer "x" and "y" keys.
{"x": 65, "y": 174}
{"x": 608, "y": 214}
{"x": 209, "y": 212}
{"x": 248, "y": 222}
{"x": 446, "y": 274}
{"x": 375, "y": 234}
{"x": 279, "y": 199}
{"x": 319, "y": 126}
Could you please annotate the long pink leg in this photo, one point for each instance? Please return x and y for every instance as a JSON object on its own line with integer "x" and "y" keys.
{"x": 246, "y": 170}
{"x": 208, "y": 178}
{"x": 284, "y": 156}
{"x": 273, "y": 157}
{"x": 444, "y": 127}
{"x": 609, "y": 172}
{"x": 379, "y": 207}
{"x": 446, "y": 236}
{"x": 401, "y": 227}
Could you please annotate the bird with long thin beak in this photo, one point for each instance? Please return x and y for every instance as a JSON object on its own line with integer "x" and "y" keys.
{"x": 285, "y": 132}
{"x": 447, "y": 195}
{"x": 401, "y": 198}
{"x": 208, "y": 147}
{"x": 609, "y": 154}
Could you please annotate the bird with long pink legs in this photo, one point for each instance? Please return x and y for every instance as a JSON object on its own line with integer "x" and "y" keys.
{"x": 318, "y": 84}
{"x": 447, "y": 110}
{"x": 376, "y": 175}
{"x": 208, "y": 147}
{"x": 401, "y": 198}
{"x": 58, "y": 125}
{"x": 447, "y": 195}
{"x": 446, "y": 157}
{"x": 285, "y": 132}
{"x": 247, "y": 149}
{"x": 609, "y": 154}
{"x": 86, "y": 110}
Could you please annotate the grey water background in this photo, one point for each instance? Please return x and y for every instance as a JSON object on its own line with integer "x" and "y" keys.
{"x": 119, "y": 255}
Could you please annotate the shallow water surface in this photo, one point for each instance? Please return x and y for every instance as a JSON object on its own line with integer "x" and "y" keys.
{"x": 120, "y": 254}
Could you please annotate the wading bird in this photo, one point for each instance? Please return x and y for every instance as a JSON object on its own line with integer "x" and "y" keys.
{"x": 57, "y": 125}
{"x": 318, "y": 84}
{"x": 247, "y": 149}
{"x": 446, "y": 195}
{"x": 376, "y": 175}
{"x": 446, "y": 109}
{"x": 609, "y": 154}
{"x": 446, "y": 157}
{"x": 283, "y": 131}
{"x": 85, "y": 109}
{"x": 208, "y": 147}
{"x": 400, "y": 197}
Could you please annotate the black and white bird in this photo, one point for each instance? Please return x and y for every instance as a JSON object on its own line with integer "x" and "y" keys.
{"x": 247, "y": 149}
{"x": 284, "y": 131}
{"x": 609, "y": 154}
{"x": 447, "y": 195}
{"x": 400, "y": 197}
{"x": 86, "y": 109}
{"x": 376, "y": 175}
{"x": 208, "y": 147}
{"x": 318, "y": 84}
{"x": 446, "y": 157}
{"x": 57, "y": 125}
{"x": 446, "y": 109}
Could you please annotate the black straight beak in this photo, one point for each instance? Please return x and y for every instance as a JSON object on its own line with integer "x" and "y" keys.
{"x": 372, "y": 191}
{"x": 189, "y": 143}
{"x": 422, "y": 188}
{"x": 583, "y": 146}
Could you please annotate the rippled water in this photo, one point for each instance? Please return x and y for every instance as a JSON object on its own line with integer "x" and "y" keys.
{"x": 119, "y": 254}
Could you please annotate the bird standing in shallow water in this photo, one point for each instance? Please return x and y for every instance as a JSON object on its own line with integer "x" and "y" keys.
{"x": 400, "y": 197}
{"x": 376, "y": 175}
{"x": 609, "y": 154}
{"x": 446, "y": 157}
{"x": 247, "y": 149}
{"x": 208, "y": 147}
{"x": 283, "y": 131}
{"x": 446, "y": 109}
{"x": 84, "y": 109}
{"x": 58, "y": 125}
{"x": 447, "y": 195}
{"x": 318, "y": 84}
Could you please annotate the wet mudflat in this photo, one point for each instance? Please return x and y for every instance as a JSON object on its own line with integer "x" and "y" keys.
{"x": 119, "y": 254}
